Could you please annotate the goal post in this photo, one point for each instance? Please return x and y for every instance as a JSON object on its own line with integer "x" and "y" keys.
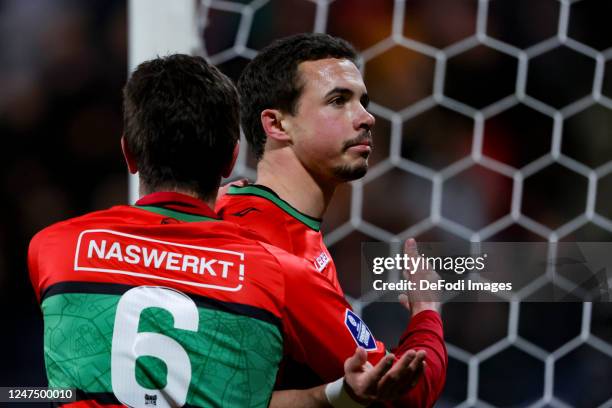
{"x": 157, "y": 28}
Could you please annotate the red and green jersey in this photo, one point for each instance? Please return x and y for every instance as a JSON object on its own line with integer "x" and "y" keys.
{"x": 261, "y": 210}
{"x": 162, "y": 304}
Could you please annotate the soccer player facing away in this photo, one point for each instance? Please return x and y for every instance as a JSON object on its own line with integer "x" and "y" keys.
{"x": 162, "y": 303}
{"x": 304, "y": 114}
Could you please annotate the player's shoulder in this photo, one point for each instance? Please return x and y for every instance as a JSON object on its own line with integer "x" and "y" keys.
{"x": 260, "y": 209}
{"x": 58, "y": 236}
{"x": 234, "y": 234}
{"x": 78, "y": 222}
{"x": 293, "y": 266}
{"x": 256, "y": 213}
{"x": 247, "y": 203}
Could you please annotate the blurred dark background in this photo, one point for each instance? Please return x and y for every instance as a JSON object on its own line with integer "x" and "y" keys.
{"x": 64, "y": 63}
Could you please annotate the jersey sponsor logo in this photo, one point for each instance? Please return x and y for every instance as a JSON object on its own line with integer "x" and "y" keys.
{"x": 321, "y": 261}
{"x": 360, "y": 332}
{"x": 110, "y": 251}
{"x": 244, "y": 212}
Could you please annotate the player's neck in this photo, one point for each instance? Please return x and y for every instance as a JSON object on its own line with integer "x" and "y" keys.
{"x": 294, "y": 184}
{"x": 143, "y": 190}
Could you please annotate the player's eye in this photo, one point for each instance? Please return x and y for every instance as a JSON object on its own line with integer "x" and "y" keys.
{"x": 337, "y": 101}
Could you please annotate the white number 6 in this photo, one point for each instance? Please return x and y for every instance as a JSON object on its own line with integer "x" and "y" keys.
{"x": 128, "y": 345}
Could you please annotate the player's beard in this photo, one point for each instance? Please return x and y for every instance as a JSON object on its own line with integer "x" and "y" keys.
{"x": 347, "y": 172}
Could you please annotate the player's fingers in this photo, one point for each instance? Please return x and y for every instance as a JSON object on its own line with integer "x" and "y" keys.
{"x": 405, "y": 376}
{"x": 241, "y": 183}
{"x": 238, "y": 183}
{"x": 407, "y": 371}
{"x": 418, "y": 359}
{"x": 404, "y": 300}
{"x": 225, "y": 188}
{"x": 410, "y": 249}
{"x": 417, "y": 376}
{"x": 412, "y": 371}
{"x": 396, "y": 389}
{"x": 356, "y": 361}
{"x": 379, "y": 370}
{"x": 395, "y": 375}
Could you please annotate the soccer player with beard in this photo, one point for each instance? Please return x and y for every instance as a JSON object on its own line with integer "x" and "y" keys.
{"x": 164, "y": 304}
{"x": 304, "y": 114}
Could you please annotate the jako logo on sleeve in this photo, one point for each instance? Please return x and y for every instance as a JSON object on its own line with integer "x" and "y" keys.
{"x": 360, "y": 332}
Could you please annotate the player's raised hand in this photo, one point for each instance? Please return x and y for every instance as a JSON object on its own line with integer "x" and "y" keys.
{"x": 386, "y": 381}
{"x": 361, "y": 378}
{"x": 418, "y": 300}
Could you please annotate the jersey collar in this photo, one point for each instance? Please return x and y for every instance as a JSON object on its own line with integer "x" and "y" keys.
{"x": 176, "y": 205}
{"x": 270, "y": 195}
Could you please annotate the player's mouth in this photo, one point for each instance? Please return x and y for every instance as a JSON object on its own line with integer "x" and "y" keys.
{"x": 361, "y": 147}
{"x": 362, "y": 143}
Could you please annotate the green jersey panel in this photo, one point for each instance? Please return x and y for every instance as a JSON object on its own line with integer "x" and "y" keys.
{"x": 221, "y": 360}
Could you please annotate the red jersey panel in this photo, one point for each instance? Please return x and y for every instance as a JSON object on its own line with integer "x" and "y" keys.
{"x": 261, "y": 210}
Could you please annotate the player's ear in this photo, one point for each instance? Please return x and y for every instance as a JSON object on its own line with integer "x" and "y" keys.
{"x": 128, "y": 156}
{"x": 272, "y": 122}
{"x": 227, "y": 170}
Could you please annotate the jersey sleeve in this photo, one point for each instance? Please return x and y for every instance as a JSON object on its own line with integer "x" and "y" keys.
{"x": 424, "y": 332}
{"x": 321, "y": 330}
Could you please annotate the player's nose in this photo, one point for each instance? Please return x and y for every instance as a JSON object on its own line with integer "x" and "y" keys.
{"x": 364, "y": 119}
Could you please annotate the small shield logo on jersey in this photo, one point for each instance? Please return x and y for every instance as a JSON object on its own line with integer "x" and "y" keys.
{"x": 360, "y": 332}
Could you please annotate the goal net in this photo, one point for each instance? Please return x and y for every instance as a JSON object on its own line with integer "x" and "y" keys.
{"x": 494, "y": 123}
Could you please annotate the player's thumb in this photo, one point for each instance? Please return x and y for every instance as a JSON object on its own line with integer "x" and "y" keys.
{"x": 404, "y": 300}
{"x": 410, "y": 248}
{"x": 356, "y": 361}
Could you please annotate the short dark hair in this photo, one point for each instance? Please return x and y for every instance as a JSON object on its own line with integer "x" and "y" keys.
{"x": 271, "y": 80}
{"x": 181, "y": 123}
